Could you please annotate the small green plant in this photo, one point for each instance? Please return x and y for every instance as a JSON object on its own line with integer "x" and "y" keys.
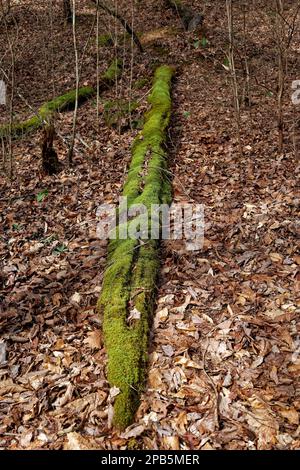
{"x": 105, "y": 40}
{"x": 41, "y": 195}
{"x": 204, "y": 42}
{"x": 226, "y": 63}
{"x": 16, "y": 227}
{"x": 60, "y": 249}
{"x": 186, "y": 114}
{"x": 49, "y": 240}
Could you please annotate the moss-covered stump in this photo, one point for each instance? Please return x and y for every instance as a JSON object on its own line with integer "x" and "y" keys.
{"x": 61, "y": 103}
{"x": 129, "y": 283}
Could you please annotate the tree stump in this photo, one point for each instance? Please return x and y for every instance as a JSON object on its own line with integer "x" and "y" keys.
{"x": 50, "y": 160}
{"x": 191, "y": 20}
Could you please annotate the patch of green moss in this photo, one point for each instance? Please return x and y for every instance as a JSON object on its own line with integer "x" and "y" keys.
{"x": 129, "y": 282}
{"x": 105, "y": 40}
{"x": 114, "y": 71}
{"x": 140, "y": 83}
{"x": 66, "y": 101}
{"x": 133, "y": 444}
{"x": 58, "y": 104}
{"x": 117, "y": 110}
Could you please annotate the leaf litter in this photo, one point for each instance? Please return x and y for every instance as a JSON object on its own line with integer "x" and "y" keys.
{"x": 225, "y": 344}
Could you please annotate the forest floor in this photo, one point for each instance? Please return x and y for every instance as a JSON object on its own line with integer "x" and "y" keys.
{"x": 225, "y": 342}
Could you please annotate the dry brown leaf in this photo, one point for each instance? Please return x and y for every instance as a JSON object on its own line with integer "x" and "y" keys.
{"x": 26, "y": 438}
{"x": 263, "y": 423}
{"x": 171, "y": 442}
{"x": 76, "y": 298}
{"x": 94, "y": 339}
{"x": 291, "y": 415}
{"x": 186, "y": 362}
{"x": 133, "y": 431}
{"x": 74, "y": 441}
{"x": 161, "y": 316}
{"x": 155, "y": 379}
{"x": 65, "y": 398}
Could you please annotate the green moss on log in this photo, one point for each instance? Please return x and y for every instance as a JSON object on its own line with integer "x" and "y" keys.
{"x": 66, "y": 101}
{"x": 129, "y": 282}
{"x": 60, "y": 103}
{"x": 113, "y": 72}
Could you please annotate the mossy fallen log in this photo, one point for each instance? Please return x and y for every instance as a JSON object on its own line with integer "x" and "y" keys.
{"x": 60, "y": 104}
{"x": 129, "y": 284}
{"x": 45, "y": 112}
{"x": 191, "y": 20}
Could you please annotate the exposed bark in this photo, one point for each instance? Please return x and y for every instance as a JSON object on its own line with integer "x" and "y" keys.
{"x": 282, "y": 65}
{"x": 11, "y": 46}
{"x": 77, "y": 75}
{"x": 235, "y": 87}
{"x": 191, "y": 20}
{"x": 50, "y": 161}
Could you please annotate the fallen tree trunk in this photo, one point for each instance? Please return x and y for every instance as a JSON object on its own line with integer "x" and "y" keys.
{"x": 59, "y": 104}
{"x": 191, "y": 20}
{"x": 129, "y": 284}
{"x": 45, "y": 112}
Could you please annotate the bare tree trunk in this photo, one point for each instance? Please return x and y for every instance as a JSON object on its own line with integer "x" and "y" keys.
{"x": 247, "y": 93}
{"x": 11, "y": 46}
{"x": 233, "y": 71}
{"x": 71, "y": 149}
{"x": 280, "y": 36}
{"x": 97, "y": 66}
{"x": 284, "y": 33}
